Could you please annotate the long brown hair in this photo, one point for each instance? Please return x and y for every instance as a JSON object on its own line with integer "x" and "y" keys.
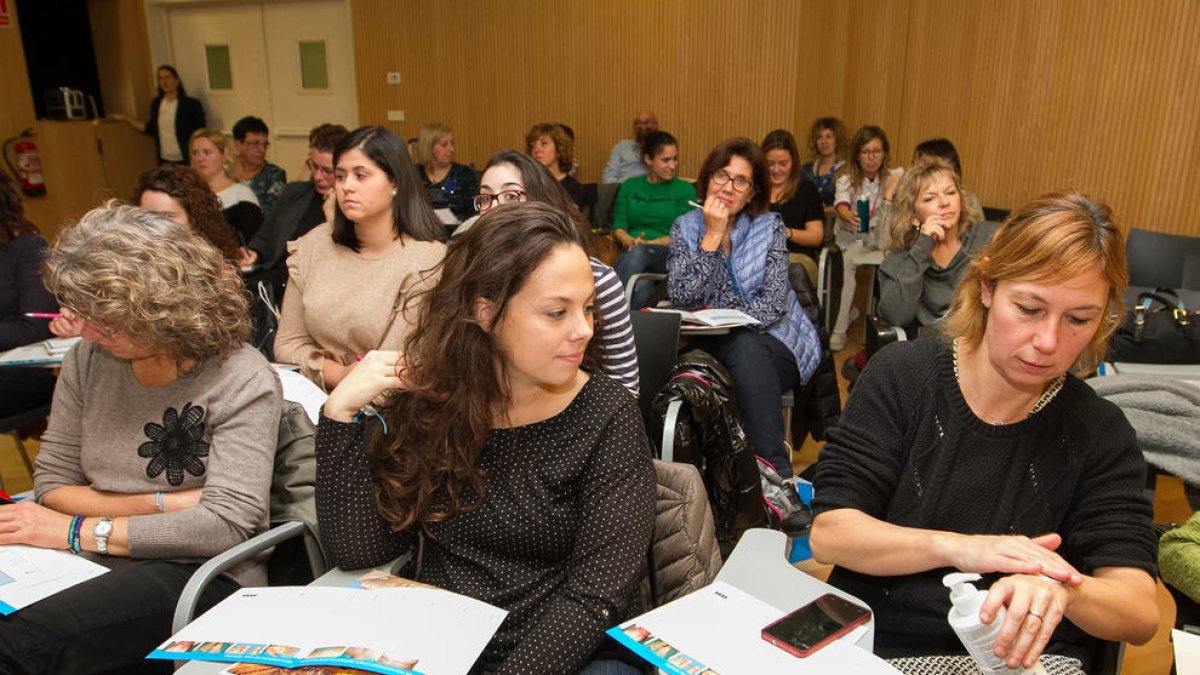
{"x": 782, "y": 139}
{"x": 427, "y": 468}
{"x": 853, "y": 167}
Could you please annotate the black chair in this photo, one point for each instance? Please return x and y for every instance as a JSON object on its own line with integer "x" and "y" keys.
{"x": 1157, "y": 259}
{"x": 877, "y": 332}
{"x": 11, "y": 426}
{"x": 656, "y": 340}
{"x": 606, "y": 197}
{"x": 995, "y": 214}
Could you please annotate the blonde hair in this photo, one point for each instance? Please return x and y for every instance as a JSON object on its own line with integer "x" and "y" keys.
{"x": 904, "y": 202}
{"x": 429, "y": 136}
{"x": 1056, "y": 237}
{"x": 219, "y": 139}
{"x": 140, "y": 272}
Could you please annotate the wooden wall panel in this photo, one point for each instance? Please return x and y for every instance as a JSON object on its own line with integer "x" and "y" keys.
{"x": 1038, "y": 94}
{"x": 709, "y": 69}
{"x": 1100, "y": 97}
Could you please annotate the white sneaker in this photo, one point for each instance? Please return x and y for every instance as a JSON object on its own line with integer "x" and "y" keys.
{"x": 837, "y": 342}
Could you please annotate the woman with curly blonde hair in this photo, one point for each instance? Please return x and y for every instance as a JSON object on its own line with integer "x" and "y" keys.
{"x": 554, "y": 148}
{"x": 936, "y": 232}
{"x": 160, "y": 445}
{"x": 214, "y": 159}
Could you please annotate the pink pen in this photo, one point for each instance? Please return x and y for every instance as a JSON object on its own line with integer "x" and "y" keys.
{"x": 358, "y": 357}
{"x": 42, "y": 315}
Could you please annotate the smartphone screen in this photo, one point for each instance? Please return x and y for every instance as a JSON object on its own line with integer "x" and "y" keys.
{"x": 816, "y": 624}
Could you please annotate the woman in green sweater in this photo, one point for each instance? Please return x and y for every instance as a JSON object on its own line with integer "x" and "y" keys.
{"x": 645, "y": 209}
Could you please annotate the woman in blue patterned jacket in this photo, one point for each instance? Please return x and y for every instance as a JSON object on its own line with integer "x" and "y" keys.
{"x": 733, "y": 254}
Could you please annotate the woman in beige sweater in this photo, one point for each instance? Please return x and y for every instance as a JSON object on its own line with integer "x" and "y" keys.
{"x": 350, "y": 279}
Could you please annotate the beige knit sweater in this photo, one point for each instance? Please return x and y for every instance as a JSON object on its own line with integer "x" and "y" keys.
{"x": 340, "y": 304}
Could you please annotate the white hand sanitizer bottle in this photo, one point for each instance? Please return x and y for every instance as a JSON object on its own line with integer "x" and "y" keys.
{"x": 976, "y": 636}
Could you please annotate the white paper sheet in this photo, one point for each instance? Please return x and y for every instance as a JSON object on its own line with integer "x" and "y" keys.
{"x": 28, "y": 574}
{"x": 442, "y": 632}
{"x": 1187, "y": 652}
{"x": 719, "y": 628}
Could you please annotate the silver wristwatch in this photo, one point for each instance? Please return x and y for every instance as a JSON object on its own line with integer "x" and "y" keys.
{"x": 102, "y": 531}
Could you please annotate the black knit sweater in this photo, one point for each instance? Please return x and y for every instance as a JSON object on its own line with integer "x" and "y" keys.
{"x": 908, "y": 450}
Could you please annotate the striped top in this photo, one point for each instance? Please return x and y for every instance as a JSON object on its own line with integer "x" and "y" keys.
{"x": 617, "y": 354}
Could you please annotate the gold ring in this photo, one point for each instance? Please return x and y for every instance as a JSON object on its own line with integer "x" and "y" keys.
{"x": 1033, "y": 613}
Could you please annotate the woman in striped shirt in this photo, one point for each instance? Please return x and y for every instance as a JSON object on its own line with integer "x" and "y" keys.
{"x": 513, "y": 177}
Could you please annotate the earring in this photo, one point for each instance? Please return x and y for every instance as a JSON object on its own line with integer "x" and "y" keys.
{"x": 393, "y": 192}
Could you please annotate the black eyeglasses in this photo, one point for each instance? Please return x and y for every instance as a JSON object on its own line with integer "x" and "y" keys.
{"x": 740, "y": 183}
{"x": 484, "y": 202}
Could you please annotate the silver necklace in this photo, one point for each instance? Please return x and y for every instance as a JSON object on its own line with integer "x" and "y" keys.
{"x": 1047, "y": 395}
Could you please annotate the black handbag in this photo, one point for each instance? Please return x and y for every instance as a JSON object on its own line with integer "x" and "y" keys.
{"x": 1158, "y": 329}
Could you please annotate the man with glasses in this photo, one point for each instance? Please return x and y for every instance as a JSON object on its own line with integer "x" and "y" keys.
{"x": 626, "y": 158}
{"x": 301, "y": 207}
{"x": 251, "y": 140}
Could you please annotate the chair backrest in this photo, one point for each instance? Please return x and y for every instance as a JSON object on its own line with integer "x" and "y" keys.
{"x": 1157, "y": 259}
{"x": 656, "y": 340}
{"x": 683, "y": 555}
{"x": 1191, "y": 272}
{"x": 606, "y": 196}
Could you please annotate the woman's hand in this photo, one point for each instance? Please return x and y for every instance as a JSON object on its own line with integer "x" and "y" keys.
{"x": 32, "y": 524}
{"x": 67, "y": 324}
{"x": 1010, "y": 554}
{"x": 849, "y": 215}
{"x": 935, "y": 227}
{"x": 717, "y": 223}
{"x": 246, "y": 256}
{"x": 1034, "y": 606}
{"x": 379, "y": 371}
{"x": 329, "y": 205}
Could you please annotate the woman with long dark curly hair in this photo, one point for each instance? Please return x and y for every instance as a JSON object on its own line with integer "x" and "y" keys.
{"x": 160, "y": 446}
{"x": 21, "y": 292}
{"x": 182, "y": 195}
{"x": 518, "y": 474}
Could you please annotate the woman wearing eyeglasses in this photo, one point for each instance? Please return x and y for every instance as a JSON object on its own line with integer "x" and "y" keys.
{"x": 733, "y": 254}
{"x": 511, "y": 177}
{"x": 865, "y": 186}
{"x": 350, "y": 280}
{"x": 160, "y": 446}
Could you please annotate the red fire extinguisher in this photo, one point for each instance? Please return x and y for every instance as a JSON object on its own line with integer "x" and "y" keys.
{"x": 28, "y": 169}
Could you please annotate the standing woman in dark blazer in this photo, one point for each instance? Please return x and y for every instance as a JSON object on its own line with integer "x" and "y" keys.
{"x": 174, "y": 117}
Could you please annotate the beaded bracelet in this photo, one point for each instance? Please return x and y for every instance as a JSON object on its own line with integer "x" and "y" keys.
{"x": 358, "y": 419}
{"x": 73, "y": 534}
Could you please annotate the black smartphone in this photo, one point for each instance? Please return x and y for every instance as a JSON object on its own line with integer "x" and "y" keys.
{"x": 816, "y": 624}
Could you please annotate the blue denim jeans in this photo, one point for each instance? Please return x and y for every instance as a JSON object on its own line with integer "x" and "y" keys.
{"x": 762, "y": 368}
{"x": 643, "y": 258}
